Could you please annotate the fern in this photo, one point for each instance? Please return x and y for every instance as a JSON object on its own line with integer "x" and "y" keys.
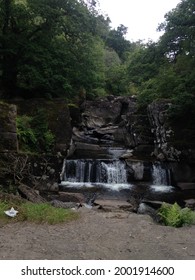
{"x": 175, "y": 216}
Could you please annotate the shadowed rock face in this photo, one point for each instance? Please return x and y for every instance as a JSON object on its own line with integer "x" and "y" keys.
{"x": 174, "y": 137}
{"x": 8, "y": 136}
{"x": 57, "y": 116}
{"x": 111, "y": 127}
{"x": 164, "y": 135}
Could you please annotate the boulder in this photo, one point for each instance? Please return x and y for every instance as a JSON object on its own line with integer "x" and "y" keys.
{"x": 190, "y": 203}
{"x": 67, "y": 197}
{"x": 100, "y": 113}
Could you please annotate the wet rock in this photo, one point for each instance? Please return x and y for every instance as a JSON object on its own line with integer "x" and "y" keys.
{"x": 186, "y": 186}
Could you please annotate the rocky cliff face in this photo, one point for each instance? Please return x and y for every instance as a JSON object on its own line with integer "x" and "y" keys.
{"x": 114, "y": 127}
{"x": 111, "y": 126}
{"x": 163, "y": 132}
{"x": 116, "y": 123}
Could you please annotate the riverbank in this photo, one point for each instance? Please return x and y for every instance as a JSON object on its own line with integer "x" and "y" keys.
{"x": 98, "y": 235}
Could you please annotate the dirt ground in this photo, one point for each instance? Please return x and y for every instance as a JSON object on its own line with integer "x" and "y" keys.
{"x": 98, "y": 235}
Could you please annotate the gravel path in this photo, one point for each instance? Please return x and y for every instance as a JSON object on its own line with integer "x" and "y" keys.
{"x": 98, "y": 235}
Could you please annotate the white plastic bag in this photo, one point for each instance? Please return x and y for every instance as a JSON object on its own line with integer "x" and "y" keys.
{"x": 11, "y": 213}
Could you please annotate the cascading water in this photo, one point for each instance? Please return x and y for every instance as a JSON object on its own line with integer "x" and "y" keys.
{"x": 161, "y": 178}
{"x": 159, "y": 175}
{"x": 112, "y": 175}
{"x": 115, "y": 172}
{"x": 89, "y": 173}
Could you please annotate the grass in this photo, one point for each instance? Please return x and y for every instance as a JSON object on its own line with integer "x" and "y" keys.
{"x": 36, "y": 213}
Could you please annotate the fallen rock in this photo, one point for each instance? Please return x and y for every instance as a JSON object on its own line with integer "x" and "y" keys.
{"x": 190, "y": 203}
{"x": 67, "y": 197}
{"x": 66, "y": 205}
{"x": 145, "y": 209}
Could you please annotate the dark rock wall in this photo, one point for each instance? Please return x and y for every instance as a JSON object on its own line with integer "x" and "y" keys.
{"x": 58, "y": 118}
{"x": 173, "y": 139}
{"x": 163, "y": 145}
{"x": 108, "y": 128}
{"x": 115, "y": 126}
{"x": 112, "y": 122}
{"x": 8, "y": 134}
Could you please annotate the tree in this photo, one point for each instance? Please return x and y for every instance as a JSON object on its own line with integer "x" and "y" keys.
{"x": 115, "y": 73}
{"x": 143, "y": 63}
{"x": 53, "y": 40}
{"x": 116, "y": 40}
{"x": 179, "y": 27}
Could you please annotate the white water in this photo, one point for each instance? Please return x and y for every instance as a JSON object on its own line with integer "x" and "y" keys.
{"x": 115, "y": 172}
{"x": 88, "y": 173}
{"x": 111, "y": 175}
{"x": 161, "y": 179}
{"x": 114, "y": 187}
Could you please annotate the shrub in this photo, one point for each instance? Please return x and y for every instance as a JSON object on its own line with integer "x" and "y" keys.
{"x": 34, "y": 134}
{"x": 175, "y": 216}
{"x": 26, "y": 135}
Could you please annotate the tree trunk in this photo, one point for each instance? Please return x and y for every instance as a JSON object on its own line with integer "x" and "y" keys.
{"x": 30, "y": 194}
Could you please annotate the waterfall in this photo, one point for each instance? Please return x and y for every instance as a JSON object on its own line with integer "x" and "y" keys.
{"x": 88, "y": 172}
{"x": 77, "y": 171}
{"x": 161, "y": 178}
{"x": 115, "y": 172}
{"x": 159, "y": 175}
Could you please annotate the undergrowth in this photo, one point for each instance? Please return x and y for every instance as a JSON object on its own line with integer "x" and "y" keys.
{"x": 175, "y": 216}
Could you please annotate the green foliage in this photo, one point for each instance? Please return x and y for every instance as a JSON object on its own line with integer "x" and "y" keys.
{"x": 175, "y": 216}
{"x": 36, "y": 213}
{"x": 49, "y": 140}
{"x": 116, "y": 79}
{"x": 34, "y": 134}
{"x": 62, "y": 46}
{"x": 179, "y": 36}
{"x": 116, "y": 41}
{"x": 56, "y": 50}
{"x": 26, "y": 135}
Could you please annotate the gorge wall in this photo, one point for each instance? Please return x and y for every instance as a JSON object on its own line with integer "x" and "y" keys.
{"x": 115, "y": 127}
{"x": 110, "y": 128}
